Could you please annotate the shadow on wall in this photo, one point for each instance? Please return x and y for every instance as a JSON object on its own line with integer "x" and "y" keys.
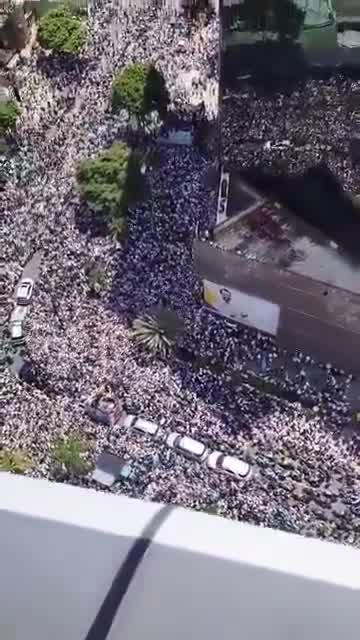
{"x": 242, "y": 583}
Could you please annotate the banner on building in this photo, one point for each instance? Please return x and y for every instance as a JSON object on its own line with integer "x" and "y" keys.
{"x": 241, "y": 307}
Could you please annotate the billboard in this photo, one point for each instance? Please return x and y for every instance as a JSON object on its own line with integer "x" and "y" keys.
{"x": 251, "y": 311}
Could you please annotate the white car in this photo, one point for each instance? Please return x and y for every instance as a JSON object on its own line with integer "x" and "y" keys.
{"x": 24, "y": 291}
{"x": 144, "y": 426}
{"x": 187, "y": 445}
{"x": 17, "y": 331}
{"x": 18, "y": 314}
{"x": 229, "y": 464}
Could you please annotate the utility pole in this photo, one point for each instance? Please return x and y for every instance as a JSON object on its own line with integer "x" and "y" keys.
{"x": 220, "y": 89}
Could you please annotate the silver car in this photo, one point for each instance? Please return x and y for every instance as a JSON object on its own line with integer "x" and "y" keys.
{"x": 24, "y": 292}
{"x": 229, "y": 465}
{"x": 17, "y": 331}
{"x": 188, "y": 446}
{"x": 143, "y": 426}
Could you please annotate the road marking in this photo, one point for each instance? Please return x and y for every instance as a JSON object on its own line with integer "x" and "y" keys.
{"x": 326, "y": 322}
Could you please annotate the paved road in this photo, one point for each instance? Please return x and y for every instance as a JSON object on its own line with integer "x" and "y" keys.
{"x": 314, "y": 318}
{"x": 31, "y": 270}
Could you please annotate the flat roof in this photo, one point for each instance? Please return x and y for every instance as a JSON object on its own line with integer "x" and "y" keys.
{"x": 315, "y": 318}
{"x": 269, "y": 233}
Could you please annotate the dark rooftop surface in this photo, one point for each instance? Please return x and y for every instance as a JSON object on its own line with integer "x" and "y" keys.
{"x": 314, "y": 318}
{"x": 271, "y": 234}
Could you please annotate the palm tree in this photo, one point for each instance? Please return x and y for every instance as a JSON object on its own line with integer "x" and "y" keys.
{"x": 158, "y": 331}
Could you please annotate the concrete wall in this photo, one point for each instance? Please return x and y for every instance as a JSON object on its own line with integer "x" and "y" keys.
{"x": 201, "y": 576}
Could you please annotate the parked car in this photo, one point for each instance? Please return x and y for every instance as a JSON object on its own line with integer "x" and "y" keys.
{"x": 18, "y": 313}
{"x": 187, "y": 445}
{"x": 17, "y": 331}
{"x": 144, "y": 426}
{"x": 229, "y": 464}
{"x": 24, "y": 292}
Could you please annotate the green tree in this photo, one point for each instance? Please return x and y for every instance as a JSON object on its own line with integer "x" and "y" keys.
{"x": 140, "y": 89}
{"x": 288, "y": 19}
{"x": 112, "y": 181}
{"x": 9, "y": 113}
{"x": 68, "y": 456}
{"x": 14, "y": 461}
{"x": 158, "y": 331}
{"x": 61, "y": 30}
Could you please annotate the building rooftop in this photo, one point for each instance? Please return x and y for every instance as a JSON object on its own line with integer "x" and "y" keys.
{"x": 316, "y": 318}
{"x": 265, "y": 231}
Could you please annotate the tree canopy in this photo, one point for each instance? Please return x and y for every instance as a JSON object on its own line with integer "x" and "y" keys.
{"x": 9, "y": 113}
{"x": 112, "y": 181}
{"x": 61, "y": 30}
{"x": 140, "y": 89}
{"x": 158, "y": 330}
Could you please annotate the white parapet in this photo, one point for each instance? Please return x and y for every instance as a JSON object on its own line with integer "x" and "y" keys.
{"x": 200, "y": 576}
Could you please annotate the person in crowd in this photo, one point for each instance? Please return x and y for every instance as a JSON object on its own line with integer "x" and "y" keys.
{"x": 307, "y": 474}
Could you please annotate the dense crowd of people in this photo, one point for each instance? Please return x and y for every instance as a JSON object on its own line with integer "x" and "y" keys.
{"x": 307, "y": 475}
{"x": 294, "y": 128}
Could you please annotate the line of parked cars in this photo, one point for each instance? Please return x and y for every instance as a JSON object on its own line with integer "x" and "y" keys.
{"x": 23, "y": 297}
{"x": 215, "y": 460}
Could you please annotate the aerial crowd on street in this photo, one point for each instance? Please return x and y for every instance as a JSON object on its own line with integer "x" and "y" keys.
{"x": 300, "y": 466}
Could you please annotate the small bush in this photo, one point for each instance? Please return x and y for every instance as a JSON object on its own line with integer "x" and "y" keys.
{"x": 9, "y": 113}
{"x": 14, "y": 461}
{"x": 62, "y": 31}
{"x": 96, "y": 279}
{"x": 68, "y": 456}
{"x": 140, "y": 89}
{"x": 118, "y": 228}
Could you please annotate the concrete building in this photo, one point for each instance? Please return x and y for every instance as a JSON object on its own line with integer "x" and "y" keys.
{"x": 14, "y": 25}
{"x": 319, "y": 28}
{"x": 269, "y": 270}
{"x": 76, "y": 563}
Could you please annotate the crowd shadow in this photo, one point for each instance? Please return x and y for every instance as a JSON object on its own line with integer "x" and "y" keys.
{"x": 90, "y": 222}
{"x": 57, "y": 66}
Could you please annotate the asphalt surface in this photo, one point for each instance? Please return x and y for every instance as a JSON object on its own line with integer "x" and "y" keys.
{"x": 32, "y": 268}
{"x": 314, "y": 318}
